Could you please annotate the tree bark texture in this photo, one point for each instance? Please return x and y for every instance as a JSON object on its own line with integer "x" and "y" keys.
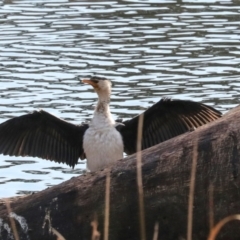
{"x": 71, "y": 207}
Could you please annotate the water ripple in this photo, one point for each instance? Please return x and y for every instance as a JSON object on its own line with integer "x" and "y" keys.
{"x": 183, "y": 49}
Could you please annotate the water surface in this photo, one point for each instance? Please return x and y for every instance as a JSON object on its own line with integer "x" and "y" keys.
{"x": 149, "y": 49}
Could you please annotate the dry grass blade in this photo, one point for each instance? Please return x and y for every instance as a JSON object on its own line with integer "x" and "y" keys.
{"x": 220, "y": 224}
{"x": 139, "y": 179}
{"x": 95, "y": 233}
{"x": 12, "y": 222}
{"x": 211, "y": 204}
{"x": 59, "y": 235}
{"x": 191, "y": 191}
{"x": 107, "y": 207}
{"x": 156, "y": 230}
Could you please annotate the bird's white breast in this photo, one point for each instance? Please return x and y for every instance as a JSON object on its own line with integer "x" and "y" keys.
{"x": 102, "y": 147}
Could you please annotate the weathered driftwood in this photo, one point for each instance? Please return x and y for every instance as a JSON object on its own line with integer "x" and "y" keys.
{"x": 71, "y": 206}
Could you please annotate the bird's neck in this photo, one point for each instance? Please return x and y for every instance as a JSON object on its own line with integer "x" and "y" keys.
{"x": 102, "y": 115}
{"x": 103, "y": 103}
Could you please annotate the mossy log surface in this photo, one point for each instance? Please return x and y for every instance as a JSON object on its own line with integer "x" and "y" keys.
{"x": 70, "y": 207}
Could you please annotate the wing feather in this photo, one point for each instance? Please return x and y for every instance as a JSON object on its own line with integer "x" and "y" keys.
{"x": 164, "y": 120}
{"x": 40, "y": 134}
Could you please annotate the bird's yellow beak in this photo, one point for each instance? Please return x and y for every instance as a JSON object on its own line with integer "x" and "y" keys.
{"x": 90, "y": 82}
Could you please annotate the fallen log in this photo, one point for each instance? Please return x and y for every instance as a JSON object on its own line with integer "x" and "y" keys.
{"x": 77, "y": 207}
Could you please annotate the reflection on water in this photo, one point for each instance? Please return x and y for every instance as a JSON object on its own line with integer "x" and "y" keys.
{"x": 183, "y": 49}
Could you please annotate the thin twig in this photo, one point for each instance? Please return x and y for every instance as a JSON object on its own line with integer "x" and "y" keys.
{"x": 139, "y": 179}
{"x": 107, "y": 207}
{"x": 191, "y": 191}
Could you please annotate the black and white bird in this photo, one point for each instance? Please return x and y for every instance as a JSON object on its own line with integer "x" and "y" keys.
{"x": 103, "y": 141}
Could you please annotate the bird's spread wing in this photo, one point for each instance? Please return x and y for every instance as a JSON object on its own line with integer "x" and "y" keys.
{"x": 40, "y": 134}
{"x": 164, "y": 120}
